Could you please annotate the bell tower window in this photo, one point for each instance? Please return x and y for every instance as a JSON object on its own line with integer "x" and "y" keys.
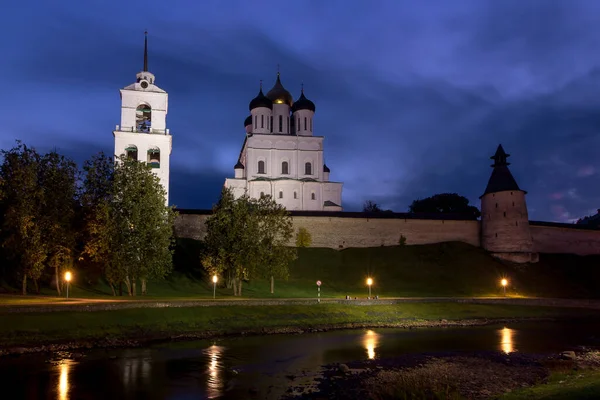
{"x": 154, "y": 157}
{"x": 285, "y": 168}
{"x": 131, "y": 152}
{"x": 261, "y": 167}
{"x": 143, "y": 118}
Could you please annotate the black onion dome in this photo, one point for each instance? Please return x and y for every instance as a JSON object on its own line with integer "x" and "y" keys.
{"x": 279, "y": 95}
{"x": 326, "y": 168}
{"x": 260, "y": 101}
{"x": 248, "y": 121}
{"x": 239, "y": 165}
{"x": 303, "y": 103}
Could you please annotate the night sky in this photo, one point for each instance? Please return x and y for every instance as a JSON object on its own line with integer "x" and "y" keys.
{"x": 412, "y": 97}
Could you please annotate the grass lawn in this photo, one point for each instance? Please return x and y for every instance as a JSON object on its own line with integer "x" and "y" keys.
{"x": 443, "y": 269}
{"x": 17, "y": 329}
{"x": 580, "y": 385}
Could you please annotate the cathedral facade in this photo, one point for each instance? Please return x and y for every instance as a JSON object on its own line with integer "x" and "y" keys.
{"x": 281, "y": 157}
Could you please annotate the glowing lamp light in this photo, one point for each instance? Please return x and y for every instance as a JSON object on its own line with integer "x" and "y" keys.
{"x": 369, "y": 282}
{"x": 504, "y": 282}
{"x": 214, "y": 286}
{"x": 68, "y": 276}
{"x": 214, "y": 279}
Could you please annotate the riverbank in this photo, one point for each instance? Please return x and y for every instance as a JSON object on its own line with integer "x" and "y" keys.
{"x": 72, "y": 330}
{"x": 473, "y": 375}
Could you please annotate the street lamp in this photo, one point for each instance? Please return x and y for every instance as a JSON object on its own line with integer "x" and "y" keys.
{"x": 214, "y": 286}
{"x": 369, "y": 283}
{"x": 68, "y": 279}
{"x": 504, "y": 282}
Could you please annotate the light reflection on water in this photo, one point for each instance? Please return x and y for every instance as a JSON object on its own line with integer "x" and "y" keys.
{"x": 214, "y": 380}
{"x": 506, "y": 340}
{"x": 63, "y": 379}
{"x": 370, "y": 340}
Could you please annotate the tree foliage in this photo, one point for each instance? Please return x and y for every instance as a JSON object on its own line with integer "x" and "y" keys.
{"x": 444, "y": 203}
{"x": 303, "y": 238}
{"x": 116, "y": 222}
{"x": 247, "y": 238}
{"x": 22, "y": 207}
{"x": 371, "y": 206}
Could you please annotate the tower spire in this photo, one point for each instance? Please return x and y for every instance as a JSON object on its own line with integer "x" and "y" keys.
{"x": 145, "y": 51}
{"x": 500, "y": 157}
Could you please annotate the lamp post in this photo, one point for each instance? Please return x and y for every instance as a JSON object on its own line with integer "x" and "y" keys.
{"x": 68, "y": 279}
{"x": 214, "y": 286}
{"x": 369, "y": 283}
{"x": 504, "y": 282}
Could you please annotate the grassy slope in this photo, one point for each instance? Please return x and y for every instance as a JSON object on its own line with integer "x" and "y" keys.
{"x": 35, "y": 328}
{"x": 581, "y": 385}
{"x": 444, "y": 269}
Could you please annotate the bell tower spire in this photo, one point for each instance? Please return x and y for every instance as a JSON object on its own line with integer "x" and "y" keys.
{"x": 145, "y": 51}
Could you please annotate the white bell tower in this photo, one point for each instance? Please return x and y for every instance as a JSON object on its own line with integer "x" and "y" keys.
{"x": 143, "y": 133}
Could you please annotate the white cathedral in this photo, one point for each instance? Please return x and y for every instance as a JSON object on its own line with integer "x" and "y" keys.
{"x": 280, "y": 156}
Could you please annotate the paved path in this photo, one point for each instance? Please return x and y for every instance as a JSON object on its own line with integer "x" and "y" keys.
{"x": 118, "y": 304}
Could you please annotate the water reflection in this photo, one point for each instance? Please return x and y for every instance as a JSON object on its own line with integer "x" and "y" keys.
{"x": 214, "y": 381}
{"x": 370, "y": 340}
{"x": 63, "y": 379}
{"x": 135, "y": 367}
{"x": 506, "y": 340}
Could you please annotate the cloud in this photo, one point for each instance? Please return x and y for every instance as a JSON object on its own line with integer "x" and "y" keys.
{"x": 414, "y": 110}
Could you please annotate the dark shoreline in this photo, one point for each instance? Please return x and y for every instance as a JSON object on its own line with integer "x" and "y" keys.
{"x": 140, "y": 340}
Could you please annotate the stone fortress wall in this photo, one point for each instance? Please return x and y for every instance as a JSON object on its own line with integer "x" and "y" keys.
{"x": 338, "y": 230}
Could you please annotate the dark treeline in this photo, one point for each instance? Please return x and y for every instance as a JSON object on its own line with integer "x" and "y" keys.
{"x": 108, "y": 218}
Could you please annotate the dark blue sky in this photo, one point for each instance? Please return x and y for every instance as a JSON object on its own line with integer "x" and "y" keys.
{"x": 412, "y": 97}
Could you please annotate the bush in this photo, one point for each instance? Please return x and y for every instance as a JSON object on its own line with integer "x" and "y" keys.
{"x": 303, "y": 238}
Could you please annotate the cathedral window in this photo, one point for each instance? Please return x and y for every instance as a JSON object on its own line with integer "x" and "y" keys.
{"x": 298, "y": 123}
{"x": 285, "y": 168}
{"x": 312, "y": 196}
{"x": 255, "y": 121}
{"x": 262, "y": 121}
{"x": 308, "y": 169}
{"x": 143, "y": 118}
{"x": 271, "y": 123}
{"x": 267, "y": 122}
{"x": 131, "y": 152}
{"x": 281, "y": 194}
{"x": 288, "y": 124}
{"x": 154, "y": 157}
{"x": 304, "y": 123}
{"x": 295, "y": 194}
{"x": 311, "y": 124}
{"x": 261, "y": 167}
{"x": 281, "y": 123}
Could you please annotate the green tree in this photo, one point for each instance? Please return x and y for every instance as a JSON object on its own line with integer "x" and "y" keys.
{"x": 247, "y": 238}
{"x": 58, "y": 180}
{"x": 22, "y": 200}
{"x": 303, "y": 238}
{"x": 371, "y": 206}
{"x": 97, "y": 229}
{"x": 275, "y": 231}
{"x": 142, "y": 224}
{"x": 444, "y": 203}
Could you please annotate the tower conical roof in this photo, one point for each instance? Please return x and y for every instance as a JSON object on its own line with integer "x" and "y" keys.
{"x": 501, "y": 179}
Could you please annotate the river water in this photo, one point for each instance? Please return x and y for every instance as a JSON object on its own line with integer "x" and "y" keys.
{"x": 262, "y": 366}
